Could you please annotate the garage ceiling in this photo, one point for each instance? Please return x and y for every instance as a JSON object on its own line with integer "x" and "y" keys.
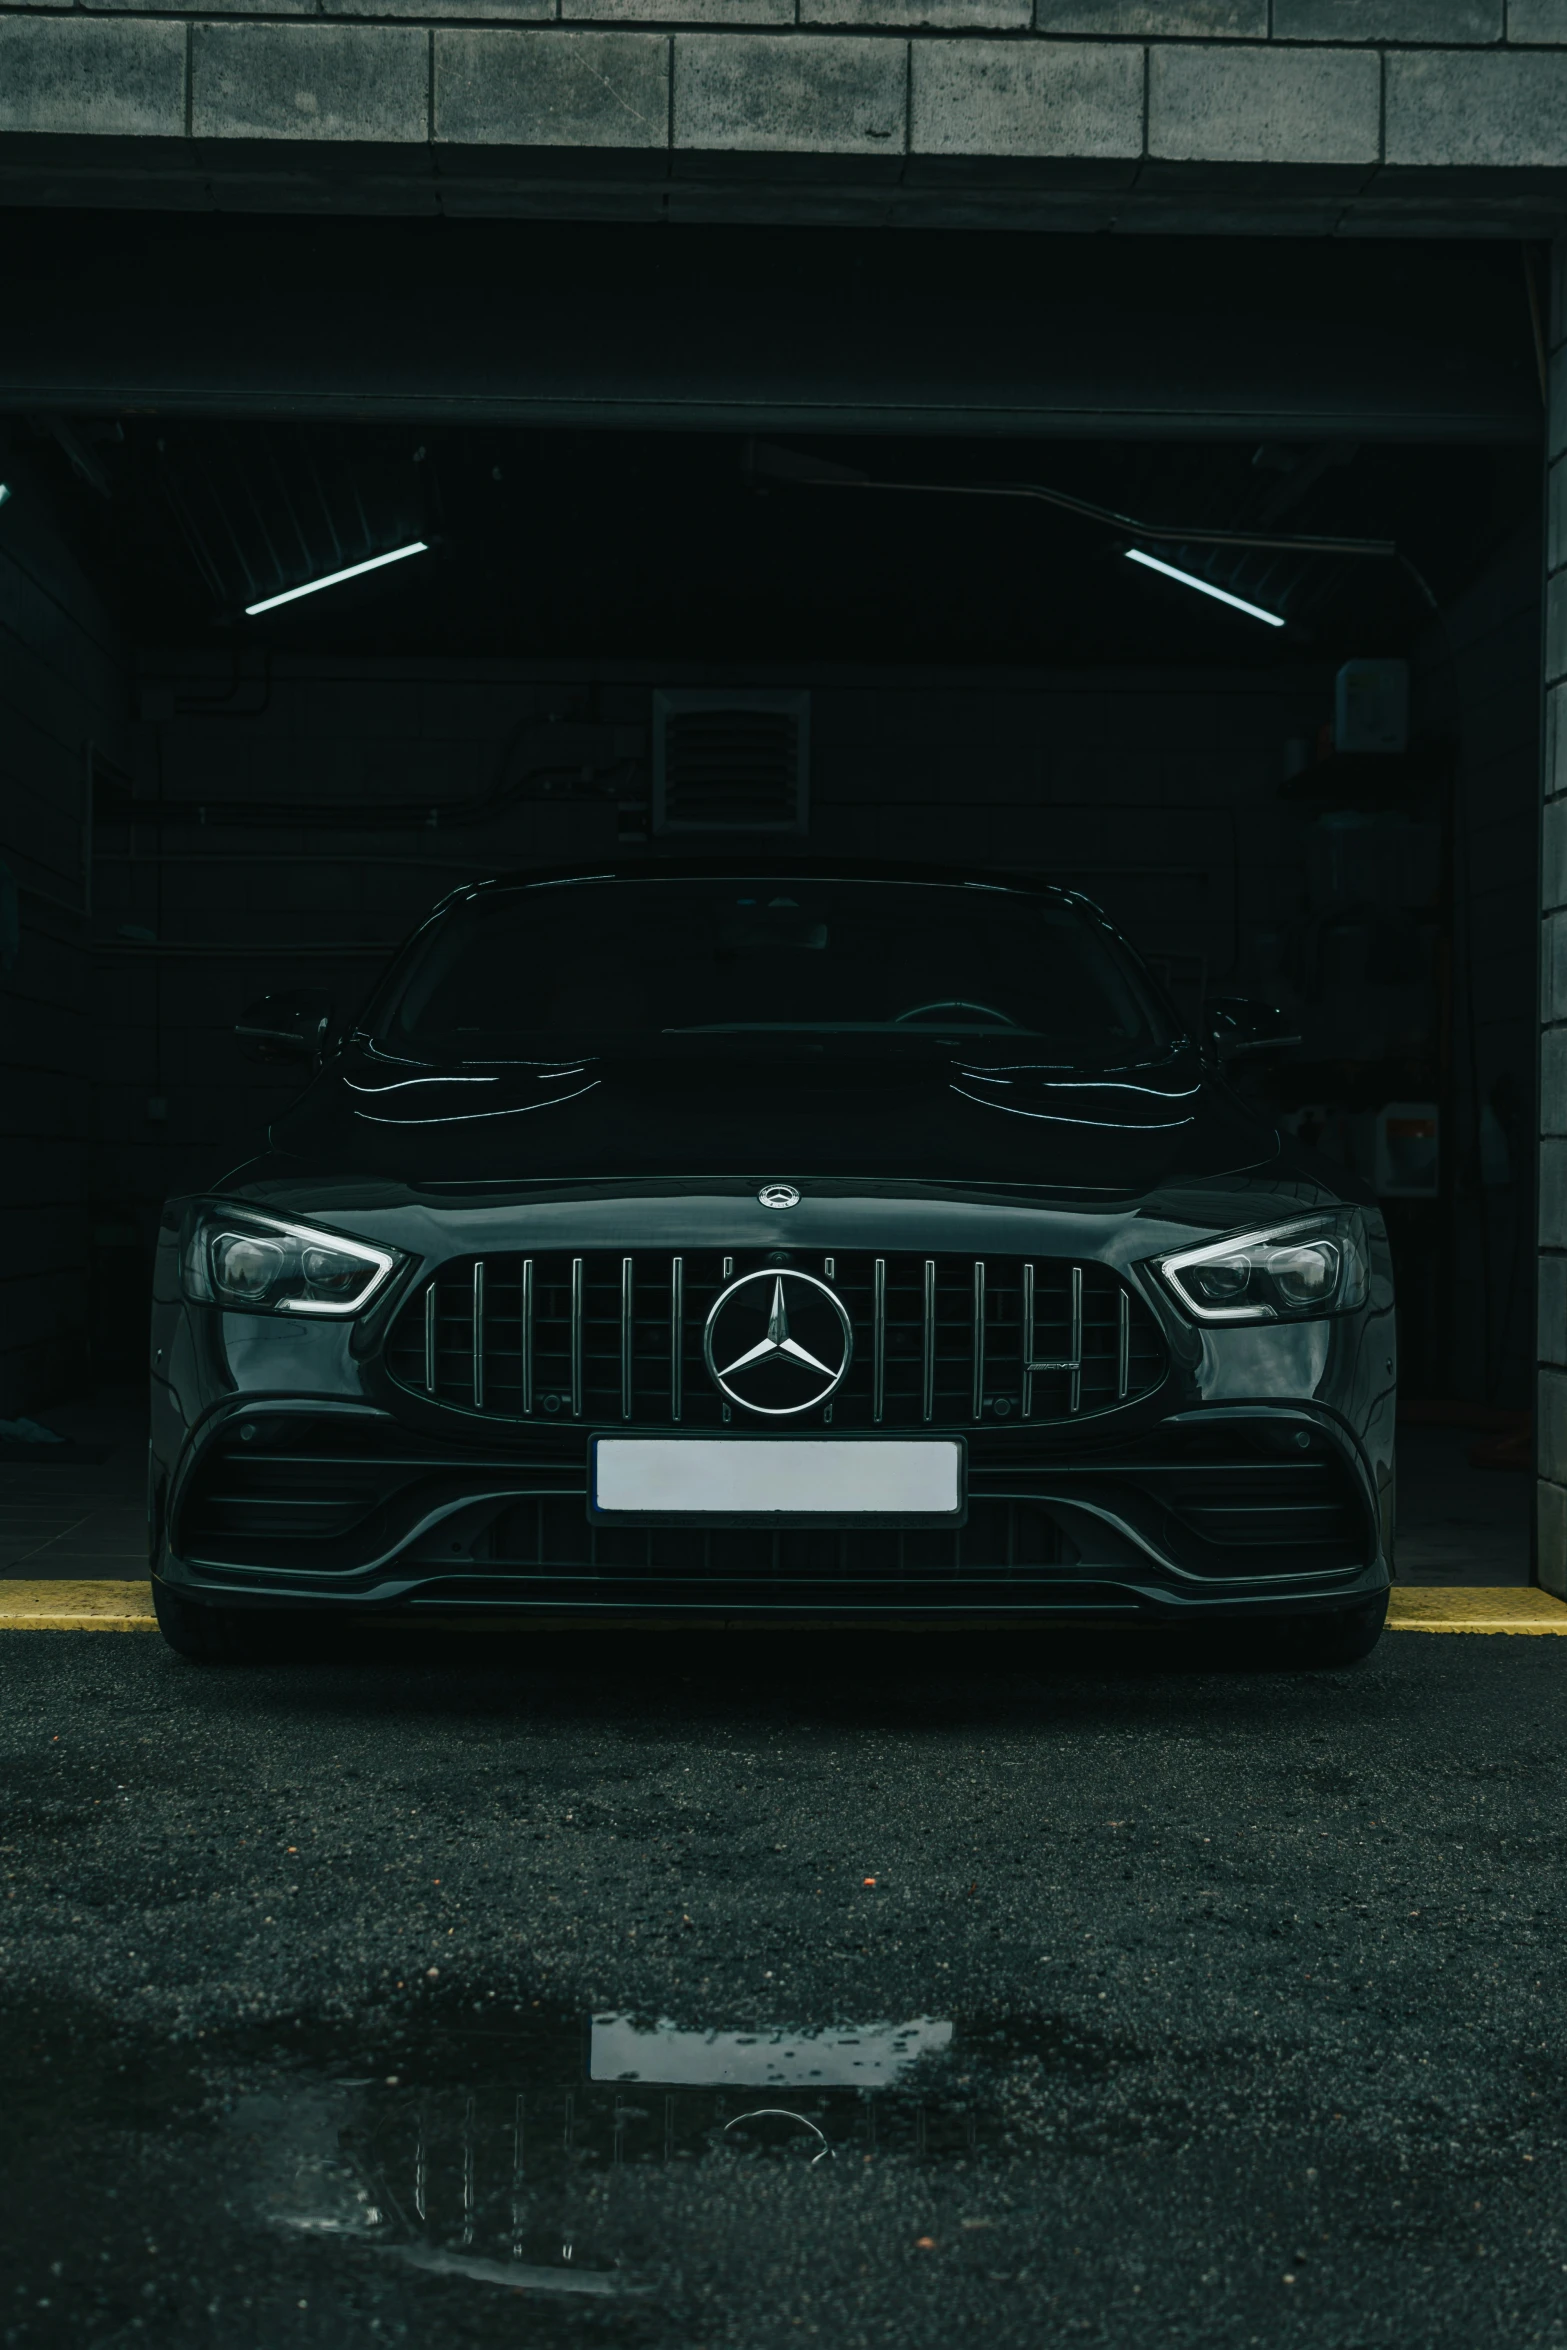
{"x": 581, "y": 545}
{"x": 768, "y": 330}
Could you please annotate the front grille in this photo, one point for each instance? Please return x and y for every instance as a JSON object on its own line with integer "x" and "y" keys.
{"x": 938, "y": 1341}
{"x": 553, "y": 1535}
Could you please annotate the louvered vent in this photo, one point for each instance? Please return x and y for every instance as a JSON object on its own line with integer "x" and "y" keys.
{"x": 735, "y": 762}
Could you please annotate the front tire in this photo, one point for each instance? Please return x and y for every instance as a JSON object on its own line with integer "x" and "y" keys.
{"x": 1345, "y": 1637}
{"x": 210, "y": 1635}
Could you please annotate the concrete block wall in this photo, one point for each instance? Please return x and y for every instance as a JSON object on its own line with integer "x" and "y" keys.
{"x": 1551, "y": 1418}
{"x": 1351, "y": 111}
{"x": 64, "y": 685}
{"x": 1155, "y": 791}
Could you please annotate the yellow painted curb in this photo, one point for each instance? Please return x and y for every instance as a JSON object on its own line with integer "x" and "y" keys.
{"x": 103, "y": 1606}
{"x": 1428, "y": 1608}
{"x": 80, "y": 1607}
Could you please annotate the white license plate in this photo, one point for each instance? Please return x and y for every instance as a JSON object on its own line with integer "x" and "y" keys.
{"x": 914, "y": 1480}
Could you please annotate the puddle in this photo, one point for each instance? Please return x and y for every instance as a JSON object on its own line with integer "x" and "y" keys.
{"x": 491, "y": 2148}
{"x": 453, "y": 2173}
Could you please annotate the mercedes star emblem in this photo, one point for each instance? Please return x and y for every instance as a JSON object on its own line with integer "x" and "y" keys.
{"x": 778, "y": 1343}
{"x": 778, "y": 1195}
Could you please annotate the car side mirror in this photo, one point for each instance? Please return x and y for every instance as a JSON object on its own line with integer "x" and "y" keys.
{"x": 288, "y": 1027}
{"x": 1239, "y": 1028}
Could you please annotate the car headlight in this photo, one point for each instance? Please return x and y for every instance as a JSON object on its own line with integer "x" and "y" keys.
{"x": 1286, "y": 1273}
{"x": 237, "y": 1258}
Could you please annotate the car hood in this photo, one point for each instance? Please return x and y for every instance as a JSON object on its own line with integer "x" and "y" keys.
{"x": 931, "y": 1114}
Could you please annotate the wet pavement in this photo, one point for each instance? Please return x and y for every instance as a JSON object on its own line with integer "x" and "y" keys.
{"x": 658, "y": 1993}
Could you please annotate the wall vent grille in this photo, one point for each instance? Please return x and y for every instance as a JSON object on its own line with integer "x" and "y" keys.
{"x": 731, "y": 762}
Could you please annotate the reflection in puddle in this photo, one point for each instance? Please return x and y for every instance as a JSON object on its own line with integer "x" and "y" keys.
{"x": 503, "y": 2152}
{"x": 620, "y": 2049}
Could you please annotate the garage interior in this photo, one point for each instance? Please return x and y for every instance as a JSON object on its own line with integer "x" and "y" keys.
{"x": 724, "y": 546}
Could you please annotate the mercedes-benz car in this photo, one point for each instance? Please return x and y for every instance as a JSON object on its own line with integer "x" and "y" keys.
{"x": 804, "y": 1243}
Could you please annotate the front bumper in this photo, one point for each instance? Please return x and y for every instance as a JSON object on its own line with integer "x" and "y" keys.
{"x": 1234, "y": 1509}
{"x": 297, "y": 1465}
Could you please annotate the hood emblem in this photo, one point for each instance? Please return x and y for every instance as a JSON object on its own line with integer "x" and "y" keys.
{"x": 778, "y": 1195}
{"x": 778, "y": 1343}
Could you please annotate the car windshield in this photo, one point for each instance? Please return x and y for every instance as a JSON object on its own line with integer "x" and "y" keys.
{"x": 651, "y": 959}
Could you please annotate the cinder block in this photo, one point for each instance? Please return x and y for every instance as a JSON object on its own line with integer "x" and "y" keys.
{"x": 1537, "y": 20}
{"x": 103, "y": 77}
{"x": 1553, "y": 857}
{"x": 1036, "y": 98}
{"x": 1238, "y": 20}
{"x": 554, "y": 89}
{"x": 1553, "y": 971}
{"x": 501, "y": 11}
{"x": 1553, "y": 1197}
{"x": 1556, "y": 626}
{"x": 1552, "y": 1323}
{"x": 1551, "y": 1537}
{"x": 1556, "y": 516}
{"x": 1553, "y": 1081}
{"x": 939, "y": 16}
{"x": 1223, "y": 105}
{"x": 732, "y": 12}
{"x": 310, "y": 81}
{"x": 1452, "y": 22}
{"x": 1451, "y": 107}
{"x": 1552, "y": 1439}
{"x": 805, "y": 94}
{"x": 229, "y": 7}
{"x": 1554, "y": 763}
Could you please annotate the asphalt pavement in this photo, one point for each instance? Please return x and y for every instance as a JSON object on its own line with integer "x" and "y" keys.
{"x": 545, "y": 1991}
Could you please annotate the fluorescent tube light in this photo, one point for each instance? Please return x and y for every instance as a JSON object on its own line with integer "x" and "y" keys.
{"x": 1203, "y": 587}
{"x": 5, "y": 491}
{"x": 414, "y": 547}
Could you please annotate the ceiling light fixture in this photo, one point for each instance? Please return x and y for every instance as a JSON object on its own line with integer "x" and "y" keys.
{"x": 5, "y": 491}
{"x": 1203, "y": 587}
{"x": 311, "y": 586}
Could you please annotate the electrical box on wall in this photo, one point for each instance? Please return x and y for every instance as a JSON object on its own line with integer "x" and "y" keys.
{"x": 1408, "y": 1151}
{"x": 1371, "y": 708}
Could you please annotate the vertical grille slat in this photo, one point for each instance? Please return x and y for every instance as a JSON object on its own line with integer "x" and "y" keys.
{"x": 526, "y": 1336}
{"x": 1077, "y": 1338}
{"x": 578, "y": 1318}
{"x": 614, "y": 1339}
{"x": 979, "y": 1339}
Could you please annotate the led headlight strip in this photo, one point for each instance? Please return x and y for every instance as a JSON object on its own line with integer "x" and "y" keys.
{"x": 1285, "y": 1272}
{"x": 252, "y": 1263}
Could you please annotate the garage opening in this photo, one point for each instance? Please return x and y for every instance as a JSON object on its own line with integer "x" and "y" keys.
{"x": 1262, "y": 682}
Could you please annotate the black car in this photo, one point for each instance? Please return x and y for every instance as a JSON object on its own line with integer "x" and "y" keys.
{"x": 813, "y": 1244}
